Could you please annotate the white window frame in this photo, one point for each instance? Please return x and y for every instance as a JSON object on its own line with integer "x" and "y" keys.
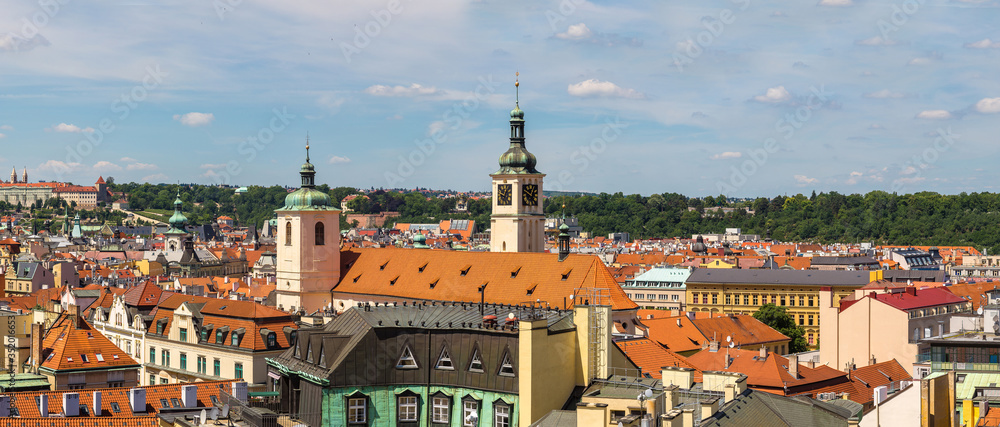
{"x": 440, "y": 410}
{"x": 407, "y": 360}
{"x": 406, "y": 408}
{"x": 469, "y": 407}
{"x": 501, "y": 415}
{"x": 357, "y": 410}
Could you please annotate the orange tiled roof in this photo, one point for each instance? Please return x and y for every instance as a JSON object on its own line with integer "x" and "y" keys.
{"x": 677, "y": 333}
{"x": 769, "y": 374}
{"x": 248, "y": 315}
{"x": 513, "y": 278}
{"x": 650, "y": 357}
{"x": 863, "y": 381}
{"x": 744, "y": 329}
{"x": 26, "y": 406}
{"x": 654, "y": 258}
{"x": 71, "y": 343}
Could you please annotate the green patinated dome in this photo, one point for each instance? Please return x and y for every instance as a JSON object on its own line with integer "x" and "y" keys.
{"x": 178, "y": 220}
{"x": 517, "y": 159}
{"x": 307, "y": 198}
{"x": 517, "y": 113}
{"x": 563, "y": 228}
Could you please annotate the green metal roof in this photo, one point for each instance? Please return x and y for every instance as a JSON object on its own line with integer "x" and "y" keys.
{"x": 966, "y": 388}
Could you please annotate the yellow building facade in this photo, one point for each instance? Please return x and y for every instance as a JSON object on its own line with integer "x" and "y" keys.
{"x": 724, "y": 291}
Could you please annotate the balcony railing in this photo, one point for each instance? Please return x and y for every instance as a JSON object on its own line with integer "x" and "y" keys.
{"x": 964, "y": 366}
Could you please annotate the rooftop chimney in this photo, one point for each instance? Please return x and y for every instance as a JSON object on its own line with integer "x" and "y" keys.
{"x": 189, "y": 396}
{"x": 36, "y": 345}
{"x": 137, "y": 399}
{"x": 4, "y": 406}
{"x": 73, "y": 311}
{"x": 240, "y": 391}
{"x": 43, "y": 405}
{"x": 763, "y": 352}
{"x": 71, "y": 404}
{"x": 793, "y": 366}
{"x": 97, "y": 404}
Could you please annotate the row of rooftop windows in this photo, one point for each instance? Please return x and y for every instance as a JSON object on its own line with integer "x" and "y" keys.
{"x": 731, "y": 299}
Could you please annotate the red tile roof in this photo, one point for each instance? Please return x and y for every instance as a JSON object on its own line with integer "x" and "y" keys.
{"x": 743, "y": 329}
{"x": 26, "y": 406}
{"x": 247, "y": 315}
{"x": 650, "y": 357}
{"x": 768, "y": 374}
{"x": 918, "y": 298}
{"x": 513, "y": 278}
{"x": 863, "y": 381}
{"x": 71, "y": 343}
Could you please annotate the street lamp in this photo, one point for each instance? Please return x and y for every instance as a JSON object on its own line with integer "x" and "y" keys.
{"x": 642, "y": 398}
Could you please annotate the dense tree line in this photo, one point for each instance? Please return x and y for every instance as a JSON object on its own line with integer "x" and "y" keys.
{"x": 924, "y": 218}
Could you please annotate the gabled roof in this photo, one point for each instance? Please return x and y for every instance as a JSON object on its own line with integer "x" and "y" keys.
{"x": 764, "y": 409}
{"x": 864, "y": 381}
{"x": 144, "y": 294}
{"x": 111, "y": 397}
{"x": 744, "y": 329}
{"x": 512, "y": 278}
{"x": 230, "y": 316}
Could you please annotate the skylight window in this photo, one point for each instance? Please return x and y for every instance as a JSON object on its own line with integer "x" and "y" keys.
{"x": 84, "y": 358}
{"x": 100, "y": 357}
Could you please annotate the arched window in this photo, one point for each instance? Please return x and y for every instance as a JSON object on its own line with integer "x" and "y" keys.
{"x": 320, "y": 234}
{"x": 288, "y": 234}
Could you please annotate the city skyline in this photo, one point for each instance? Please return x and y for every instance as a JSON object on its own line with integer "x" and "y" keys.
{"x": 739, "y": 98}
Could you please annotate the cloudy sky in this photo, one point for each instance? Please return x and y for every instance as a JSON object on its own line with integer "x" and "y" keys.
{"x": 745, "y": 98}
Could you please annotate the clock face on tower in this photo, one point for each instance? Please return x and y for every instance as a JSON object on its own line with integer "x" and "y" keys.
{"x": 529, "y": 195}
{"x": 504, "y": 194}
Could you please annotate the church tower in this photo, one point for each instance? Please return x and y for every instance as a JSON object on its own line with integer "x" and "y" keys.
{"x": 308, "y": 240}
{"x": 176, "y": 234}
{"x": 518, "y": 220}
{"x": 13, "y": 175}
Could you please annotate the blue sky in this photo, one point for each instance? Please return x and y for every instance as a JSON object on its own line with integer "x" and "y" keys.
{"x": 745, "y": 98}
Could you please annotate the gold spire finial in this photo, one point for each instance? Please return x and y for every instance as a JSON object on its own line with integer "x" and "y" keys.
{"x": 307, "y": 147}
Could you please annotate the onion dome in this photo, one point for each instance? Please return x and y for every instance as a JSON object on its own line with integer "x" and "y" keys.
{"x": 517, "y": 159}
{"x": 178, "y": 220}
{"x": 307, "y": 197}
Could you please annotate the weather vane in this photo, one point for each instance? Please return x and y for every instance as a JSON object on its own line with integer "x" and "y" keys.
{"x": 307, "y": 147}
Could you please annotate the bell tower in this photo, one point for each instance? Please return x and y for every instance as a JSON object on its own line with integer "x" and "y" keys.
{"x": 518, "y": 220}
{"x": 308, "y": 246}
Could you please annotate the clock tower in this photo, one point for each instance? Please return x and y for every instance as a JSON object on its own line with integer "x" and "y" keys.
{"x": 518, "y": 220}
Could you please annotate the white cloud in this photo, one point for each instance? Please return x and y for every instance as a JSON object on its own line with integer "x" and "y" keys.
{"x": 855, "y": 176}
{"x": 876, "y": 126}
{"x": 774, "y": 95}
{"x": 106, "y": 166}
{"x": 875, "y": 41}
{"x": 803, "y": 180}
{"x": 839, "y": 3}
{"x": 70, "y": 128}
{"x": 6, "y": 127}
{"x": 983, "y": 44}
{"x": 155, "y": 178}
{"x": 988, "y": 105}
{"x": 59, "y": 168}
{"x": 884, "y": 94}
{"x": 594, "y": 87}
{"x": 2, "y": 136}
{"x": 12, "y": 43}
{"x": 195, "y": 119}
{"x": 436, "y": 126}
{"x": 934, "y": 115}
{"x": 921, "y": 61}
{"x": 413, "y": 90}
{"x": 128, "y": 160}
{"x": 576, "y": 32}
{"x": 338, "y": 159}
{"x": 213, "y": 166}
{"x": 727, "y": 155}
{"x": 141, "y": 167}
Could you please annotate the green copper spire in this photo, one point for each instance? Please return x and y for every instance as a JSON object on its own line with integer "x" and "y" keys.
{"x": 517, "y": 159}
{"x": 178, "y": 220}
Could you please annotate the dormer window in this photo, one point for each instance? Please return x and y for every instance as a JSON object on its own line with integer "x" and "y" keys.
{"x": 406, "y": 359}
{"x": 444, "y": 361}
{"x": 506, "y": 366}
{"x": 272, "y": 340}
{"x": 476, "y": 365}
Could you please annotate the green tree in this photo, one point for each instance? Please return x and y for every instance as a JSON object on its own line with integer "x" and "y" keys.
{"x": 778, "y": 319}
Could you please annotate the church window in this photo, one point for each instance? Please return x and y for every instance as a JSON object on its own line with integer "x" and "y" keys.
{"x": 288, "y": 234}
{"x": 320, "y": 234}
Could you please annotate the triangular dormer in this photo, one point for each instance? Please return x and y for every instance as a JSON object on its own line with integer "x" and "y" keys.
{"x": 476, "y": 362}
{"x": 309, "y": 353}
{"x": 406, "y": 359}
{"x": 506, "y": 365}
{"x": 322, "y": 355}
{"x": 444, "y": 361}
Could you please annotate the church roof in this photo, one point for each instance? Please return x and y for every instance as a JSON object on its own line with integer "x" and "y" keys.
{"x": 510, "y": 278}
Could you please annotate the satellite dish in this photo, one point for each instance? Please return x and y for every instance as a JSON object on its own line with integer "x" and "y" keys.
{"x": 732, "y": 344}
{"x": 215, "y": 414}
{"x": 979, "y": 311}
{"x": 648, "y": 393}
{"x": 204, "y": 416}
{"x": 729, "y": 338}
{"x": 510, "y": 315}
{"x": 225, "y": 411}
